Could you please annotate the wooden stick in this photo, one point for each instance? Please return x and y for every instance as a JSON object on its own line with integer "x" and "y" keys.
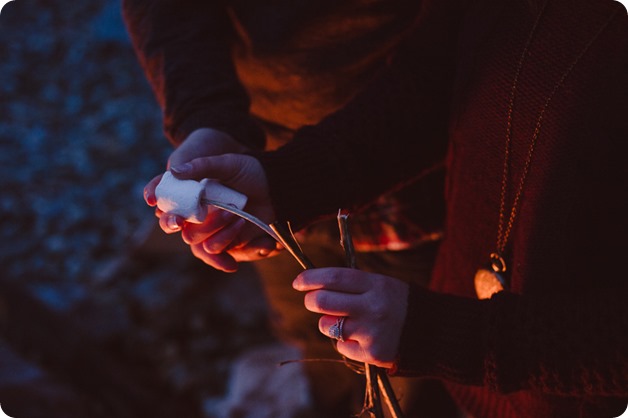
{"x": 389, "y": 394}
{"x": 377, "y": 383}
{"x": 286, "y": 239}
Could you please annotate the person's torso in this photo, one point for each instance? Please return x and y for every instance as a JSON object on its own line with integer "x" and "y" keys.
{"x": 570, "y": 210}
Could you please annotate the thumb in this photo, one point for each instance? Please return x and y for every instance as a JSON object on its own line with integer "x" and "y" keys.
{"x": 240, "y": 172}
{"x": 220, "y": 167}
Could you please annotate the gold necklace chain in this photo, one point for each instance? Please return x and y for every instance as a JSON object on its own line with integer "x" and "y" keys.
{"x": 503, "y": 232}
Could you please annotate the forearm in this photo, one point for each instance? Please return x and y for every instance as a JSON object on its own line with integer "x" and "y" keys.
{"x": 184, "y": 49}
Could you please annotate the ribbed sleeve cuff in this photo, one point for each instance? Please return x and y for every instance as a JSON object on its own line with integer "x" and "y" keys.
{"x": 443, "y": 336}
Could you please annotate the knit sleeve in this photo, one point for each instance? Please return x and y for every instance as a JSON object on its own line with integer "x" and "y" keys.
{"x": 391, "y": 132}
{"x": 572, "y": 344}
{"x": 184, "y": 49}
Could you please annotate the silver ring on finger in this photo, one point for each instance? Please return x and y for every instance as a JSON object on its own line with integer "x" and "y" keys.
{"x": 335, "y": 331}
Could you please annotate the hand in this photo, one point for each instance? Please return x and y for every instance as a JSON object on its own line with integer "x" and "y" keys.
{"x": 207, "y": 142}
{"x": 203, "y": 142}
{"x": 374, "y": 305}
{"x": 224, "y": 239}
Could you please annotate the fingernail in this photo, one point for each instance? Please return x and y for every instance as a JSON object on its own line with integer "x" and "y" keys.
{"x": 173, "y": 223}
{"x": 182, "y": 169}
{"x": 263, "y": 252}
{"x": 150, "y": 199}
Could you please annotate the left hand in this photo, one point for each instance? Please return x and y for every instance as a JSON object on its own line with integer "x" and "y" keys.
{"x": 223, "y": 240}
{"x": 374, "y": 305}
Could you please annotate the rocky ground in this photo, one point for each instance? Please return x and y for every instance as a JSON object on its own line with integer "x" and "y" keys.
{"x": 100, "y": 315}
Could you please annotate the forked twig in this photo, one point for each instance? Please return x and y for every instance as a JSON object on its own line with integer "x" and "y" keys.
{"x": 276, "y": 230}
{"x": 378, "y": 386}
{"x": 377, "y": 383}
{"x": 242, "y": 214}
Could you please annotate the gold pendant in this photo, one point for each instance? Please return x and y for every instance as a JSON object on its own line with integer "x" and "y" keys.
{"x": 487, "y": 283}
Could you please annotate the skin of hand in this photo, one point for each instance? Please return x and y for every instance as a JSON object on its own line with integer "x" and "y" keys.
{"x": 374, "y": 305}
{"x": 210, "y": 240}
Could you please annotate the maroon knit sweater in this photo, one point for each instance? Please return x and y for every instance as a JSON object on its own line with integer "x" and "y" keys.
{"x": 556, "y": 343}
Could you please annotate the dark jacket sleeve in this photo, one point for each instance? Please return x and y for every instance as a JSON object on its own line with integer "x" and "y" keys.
{"x": 391, "y": 132}
{"x": 572, "y": 344}
{"x": 184, "y": 49}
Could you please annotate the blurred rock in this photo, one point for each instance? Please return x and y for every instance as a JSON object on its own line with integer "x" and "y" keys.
{"x": 26, "y": 391}
{"x": 259, "y": 387}
{"x": 93, "y": 293}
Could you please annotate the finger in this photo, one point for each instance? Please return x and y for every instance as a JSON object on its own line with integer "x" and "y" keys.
{"x": 149, "y": 191}
{"x": 332, "y": 303}
{"x": 215, "y": 166}
{"x": 229, "y": 169}
{"x": 252, "y": 253}
{"x": 326, "y": 322}
{"x": 355, "y": 350}
{"x": 223, "y": 238}
{"x": 333, "y": 278}
{"x": 257, "y": 249}
{"x": 223, "y": 261}
{"x": 355, "y": 342}
{"x": 215, "y": 221}
{"x": 263, "y": 246}
{"x": 171, "y": 223}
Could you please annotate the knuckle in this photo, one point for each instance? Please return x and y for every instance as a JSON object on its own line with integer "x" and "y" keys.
{"x": 311, "y": 301}
{"x": 321, "y": 326}
{"x": 333, "y": 278}
{"x": 320, "y": 299}
{"x": 378, "y": 309}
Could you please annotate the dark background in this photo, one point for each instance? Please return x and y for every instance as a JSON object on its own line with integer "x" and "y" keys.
{"x": 100, "y": 313}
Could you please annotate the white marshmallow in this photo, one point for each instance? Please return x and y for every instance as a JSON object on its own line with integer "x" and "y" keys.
{"x": 184, "y": 197}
